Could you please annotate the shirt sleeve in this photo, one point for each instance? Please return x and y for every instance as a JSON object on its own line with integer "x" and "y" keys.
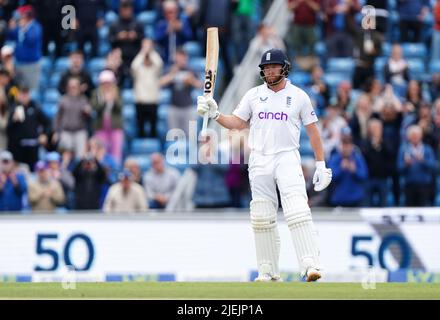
{"x": 308, "y": 114}
{"x": 243, "y": 110}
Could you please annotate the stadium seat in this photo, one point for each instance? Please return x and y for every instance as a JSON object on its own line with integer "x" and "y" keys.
{"x": 103, "y": 48}
{"x": 96, "y": 65}
{"x": 149, "y": 31}
{"x": 197, "y": 64}
{"x": 306, "y": 150}
{"x": 46, "y": 65}
{"x": 165, "y": 96}
{"x": 147, "y": 17}
{"x": 145, "y": 145}
{"x": 300, "y": 78}
{"x": 127, "y": 96}
{"x": 386, "y": 49}
{"x": 193, "y": 49}
{"x": 61, "y": 64}
{"x": 320, "y": 49}
{"x": 162, "y": 112}
{"x": 50, "y": 109}
{"x": 333, "y": 80}
{"x": 341, "y": 65}
{"x": 129, "y": 112}
{"x": 434, "y": 66}
{"x": 36, "y": 96}
{"x": 162, "y": 129}
{"x": 144, "y": 162}
{"x": 51, "y": 96}
{"x": 54, "y": 80}
{"x": 110, "y": 18}
{"x": 414, "y": 50}
{"x": 416, "y": 68}
{"x": 103, "y": 33}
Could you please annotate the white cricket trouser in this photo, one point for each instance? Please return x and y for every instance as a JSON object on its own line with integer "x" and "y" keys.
{"x": 266, "y": 172}
{"x": 282, "y": 169}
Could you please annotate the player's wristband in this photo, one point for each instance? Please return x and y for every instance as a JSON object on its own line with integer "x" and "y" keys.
{"x": 320, "y": 164}
{"x": 217, "y": 115}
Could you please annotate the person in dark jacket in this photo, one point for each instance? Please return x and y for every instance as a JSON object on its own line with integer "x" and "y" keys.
{"x": 49, "y": 14}
{"x": 90, "y": 17}
{"x": 377, "y": 153}
{"x": 416, "y": 162}
{"x": 77, "y": 69}
{"x": 89, "y": 178}
{"x": 126, "y": 34}
{"x": 28, "y": 129}
{"x": 350, "y": 173}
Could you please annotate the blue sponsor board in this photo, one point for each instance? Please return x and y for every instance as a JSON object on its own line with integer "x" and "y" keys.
{"x": 161, "y": 277}
{"x": 413, "y": 276}
{"x": 15, "y": 278}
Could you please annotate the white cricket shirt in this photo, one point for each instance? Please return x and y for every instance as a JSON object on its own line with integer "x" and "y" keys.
{"x": 275, "y": 117}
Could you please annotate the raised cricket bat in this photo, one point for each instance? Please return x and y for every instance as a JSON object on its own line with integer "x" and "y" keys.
{"x": 212, "y": 48}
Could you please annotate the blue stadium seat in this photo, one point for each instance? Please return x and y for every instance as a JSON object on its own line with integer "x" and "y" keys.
{"x": 145, "y": 145}
{"x": 130, "y": 129}
{"x": 51, "y": 96}
{"x": 129, "y": 112}
{"x": 61, "y": 64}
{"x": 149, "y": 31}
{"x": 127, "y": 96}
{"x": 193, "y": 49}
{"x": 96, "y": 65}
{"x": 147, "y": 17}
{"x": 36, "y": 96}
{"x": 103, "y": 33}
{"x": 333, "y": 80}
{"x": 306, "y": 150}
{"x": 110, "y": 18}
{"x": 434, "y": 66}
{"x": 103, "y": 48}
{"x": 162, "y": 129}
{"x": 46, "y": 65}
{"x": 320, "y": 49}
{"x": 143, "y": 161}
{"x": 165, "y": 96}
{"x": 162, "y": 112}
{"x": 54, "y": 80}
{"x": 300, "y": 78}
{"x": 414, "y": 50}
{"x": 379, "y": 66}
{"x": 386, "y": 49}
{"x": 341, "y": 65}
{"x": 50, "y": 109}
{"x": 416, "y": 68}
{"x": 197, "y": 64}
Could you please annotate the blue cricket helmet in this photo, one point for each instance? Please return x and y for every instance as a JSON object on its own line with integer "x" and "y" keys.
{"x": 275, "y": 56}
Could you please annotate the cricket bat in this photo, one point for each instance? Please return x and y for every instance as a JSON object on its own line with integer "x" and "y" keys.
{"x": 212, "y": 48}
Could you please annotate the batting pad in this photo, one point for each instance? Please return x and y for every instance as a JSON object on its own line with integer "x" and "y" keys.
{"x": 304, "y": 235}
{"x": 267, "y": 238}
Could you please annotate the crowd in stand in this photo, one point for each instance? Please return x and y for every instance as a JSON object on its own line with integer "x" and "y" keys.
{"x": 380, "y": 126}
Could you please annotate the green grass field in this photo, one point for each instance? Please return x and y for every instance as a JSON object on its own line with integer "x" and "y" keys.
{"x": 210, "y": 290}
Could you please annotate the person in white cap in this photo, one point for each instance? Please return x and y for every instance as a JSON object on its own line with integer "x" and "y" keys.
{"x": 107, "y": 104}
{"x": 275, "y": 111}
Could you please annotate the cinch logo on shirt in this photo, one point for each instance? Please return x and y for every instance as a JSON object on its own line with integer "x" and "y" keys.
{"x": 273, "y": 116}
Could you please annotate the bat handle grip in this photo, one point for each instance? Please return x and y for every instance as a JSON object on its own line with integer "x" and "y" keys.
{"x": 205, "y": 124}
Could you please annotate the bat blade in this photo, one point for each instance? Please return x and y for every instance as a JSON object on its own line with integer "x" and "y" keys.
{"x": 212, "y": 49}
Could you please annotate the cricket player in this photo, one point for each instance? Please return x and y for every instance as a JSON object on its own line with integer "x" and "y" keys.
{"x": 274, "y": 112}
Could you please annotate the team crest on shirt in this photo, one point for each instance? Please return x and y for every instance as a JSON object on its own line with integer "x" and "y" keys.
{"x": 288, "y": 102}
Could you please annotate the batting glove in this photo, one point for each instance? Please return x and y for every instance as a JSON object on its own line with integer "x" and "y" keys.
{"x": 209, "y": 105}
{"x": 322, "y": 176}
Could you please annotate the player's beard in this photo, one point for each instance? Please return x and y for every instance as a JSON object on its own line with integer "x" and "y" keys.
{"x": 276, "y": 81}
